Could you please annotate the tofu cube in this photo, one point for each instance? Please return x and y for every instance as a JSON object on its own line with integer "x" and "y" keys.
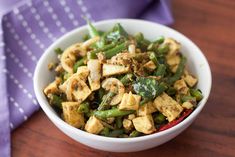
{"x": 109, "y": 70}
{"x": 51, "y": 88}
{"x": 81, "y": 92}
{"x": 174, "y": 46}
{"x": 173, "y": 60}
{"x": 187, "y": 105}
{"x": 146, "y": 109}
{"x": 144, "y": 124}
{"x": 190, "y": 80}
{"x": 168, "y": 106}
{"x": 94, "y": 125}
{"x": 70, "y": 114}
{"x": 131, "y": 116}
{"x": 150, "y": 66}
{"x": 94, "y": 85}
{"x": 94, "y": 67}
{"x": 130, "y": 102}
{"x": 127, "y": 124}
{"x": 82, "y": 72}
{"x": 174, "y": 68}
{"x": 181, "y": 86}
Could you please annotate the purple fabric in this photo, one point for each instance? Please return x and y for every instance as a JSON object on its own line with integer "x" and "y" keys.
{"x": 28, "y": 29}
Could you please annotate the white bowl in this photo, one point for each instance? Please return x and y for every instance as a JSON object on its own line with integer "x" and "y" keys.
{"x": 196, "y": 62}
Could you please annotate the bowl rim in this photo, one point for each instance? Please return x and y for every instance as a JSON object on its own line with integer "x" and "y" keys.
{"x": 53, "y": 117}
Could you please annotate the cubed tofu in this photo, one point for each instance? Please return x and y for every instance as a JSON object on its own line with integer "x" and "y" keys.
{"x": 94, "y": 85}
{"x": 190, "y": 80}
{"x": 173, "y": 60}
{"x": 94, "y": 125}
{"x": 109, "y": 70}
{"x": 83, "y": 72}
{"x": 150, "y": 66}
{"x": 130, "y": 102}
{"x": 144, "y": 124}
{"x": 51, "y": 88}
{"x": 174, "y": 46}
{"x": 146, "y": 109}
{"x": 181, "y": 86}
{"x": 131, "y": 116}
{"x": 94, "y": 67}
{"x": 70, "y": 114}
{"x": 127, "y": 124}
{"x": 81, "y": 92}
{"x": 174, "y": 68}
{"x": 187, "y": 105}
{"x": 168, "y": 106}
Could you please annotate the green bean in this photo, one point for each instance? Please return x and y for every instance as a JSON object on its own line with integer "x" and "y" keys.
{"x": 160, "y": 40}
{"x": 56, "y": 100}
{"x": 144, "y": 101}
{"x": 178, "y": 72}
{"x": 105, "y": 131}
{"x": 83, "y": 107}
{"x": 58, "y": 51}
{"x": 117, "y": 33}
{"x": 107, "y": 125}
{"x": 92, "y": 54}
{"x": 161, "y": 88}
{"x": 85, "y": 37}
{"x": 135, "y": 133}
{"x": 153, "y": 57}
{"x": 159, "y": 118}
{"x": 118, "y": 27}
{"x": 79, "y": 63}
{"x": 163, "y": 49}
{"x": 112, "y": 113}
{"x": 144, "y": 44}
{"x": 92, "y": 30}
{"x": 161, "y": 70}
{"x": 152, "y": 47}
{"x": 116, "y": 133}
{"x": 161, "y": 59}
{"x": 119, "y": 122}
{"x": 106, "y": 100}
{"x": 112, "y": 52}
{"x": 139, "y": 36}
{"x": 188, "y": 98}
{"x": 196, "y": 93}
{"x": 171, "y": 91}
{"x": 141, "y": 41}
{"x": 127, "y": 79}
{"x": 101, "y": 93}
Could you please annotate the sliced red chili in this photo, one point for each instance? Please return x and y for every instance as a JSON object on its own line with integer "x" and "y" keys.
{"x": 176, "y": 121}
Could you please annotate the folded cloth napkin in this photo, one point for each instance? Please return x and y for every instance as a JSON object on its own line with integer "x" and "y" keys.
{"x": 28, "y": 29}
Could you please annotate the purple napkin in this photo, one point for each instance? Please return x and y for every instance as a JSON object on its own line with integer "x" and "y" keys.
{"x": 28, "y": 29}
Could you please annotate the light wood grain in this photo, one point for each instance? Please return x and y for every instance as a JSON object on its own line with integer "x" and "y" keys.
{"x": 211, "y": 25}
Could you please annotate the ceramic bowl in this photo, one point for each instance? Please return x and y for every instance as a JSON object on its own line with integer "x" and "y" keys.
{"x": 196, "y": 62}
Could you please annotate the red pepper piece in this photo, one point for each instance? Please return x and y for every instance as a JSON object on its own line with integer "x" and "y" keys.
{"x": 176, "y": 121}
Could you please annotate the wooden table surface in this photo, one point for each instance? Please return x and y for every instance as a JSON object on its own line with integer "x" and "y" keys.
{"x": 211, "y": 25}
